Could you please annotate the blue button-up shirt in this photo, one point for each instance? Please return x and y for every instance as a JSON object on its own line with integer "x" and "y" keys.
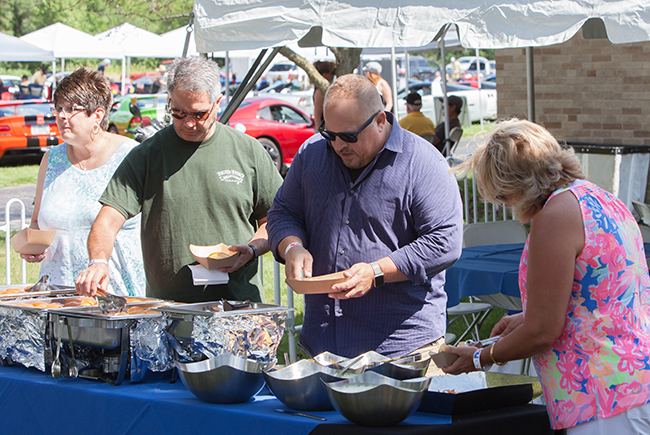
{"x": 404, "y": 205}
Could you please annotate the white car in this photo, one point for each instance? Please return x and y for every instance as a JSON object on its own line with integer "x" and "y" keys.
{"x": 287, "y": 72}
{"x": 283, "y": 91}
{"x": 429, "y": 91}
{"x": 12, "y": 83}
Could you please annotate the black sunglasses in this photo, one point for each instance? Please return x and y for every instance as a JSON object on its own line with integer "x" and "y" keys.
{"x": 199, "y": 116}
{"x": 345, "y": 137}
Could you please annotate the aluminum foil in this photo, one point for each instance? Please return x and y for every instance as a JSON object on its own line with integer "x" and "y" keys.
{"x": 252, "y": 336}
{"x": 22, "y": 337}
{"x": 150, "y": 344}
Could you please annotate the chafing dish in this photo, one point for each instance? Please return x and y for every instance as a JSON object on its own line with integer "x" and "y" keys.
{"x": 19, "y": 291}
{"x": 204, "y": 330}
{"x": 102, "y": 340}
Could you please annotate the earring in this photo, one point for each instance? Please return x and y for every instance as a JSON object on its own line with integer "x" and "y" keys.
{"x": 95, "y": 133}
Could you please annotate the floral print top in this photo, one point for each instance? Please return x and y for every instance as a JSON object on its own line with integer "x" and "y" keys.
{"x": 601, "y": 362}
{"x": 70, "y": 205}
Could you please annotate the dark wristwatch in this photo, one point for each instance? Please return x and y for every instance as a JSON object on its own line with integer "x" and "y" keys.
{"x": 379, "y": 275}
{"x": 256, "y": 254}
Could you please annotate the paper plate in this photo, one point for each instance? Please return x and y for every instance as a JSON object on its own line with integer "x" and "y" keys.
{"x": 202, "y": 254}
{"x": 317, "y": 284}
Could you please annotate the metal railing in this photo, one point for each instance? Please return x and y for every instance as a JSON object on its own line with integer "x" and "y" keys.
{"x": 6, "y": 227}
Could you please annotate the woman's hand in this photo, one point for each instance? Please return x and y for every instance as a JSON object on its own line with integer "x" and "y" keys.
{"x": 507, "y": 324}
{"x": 94, "y": 277}
{"x": 465, "y": 361}
{"x": 37, "y": 258}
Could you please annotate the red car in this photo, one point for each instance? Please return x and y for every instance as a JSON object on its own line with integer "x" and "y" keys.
{"x": 279, "y": 126}
{"x": 27, "y": 127}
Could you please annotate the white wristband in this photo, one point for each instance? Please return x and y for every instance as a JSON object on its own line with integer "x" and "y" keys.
{"x": 99, "y": 260}
{"x": 477, "y": 360}
{"x": 291, "y": 245}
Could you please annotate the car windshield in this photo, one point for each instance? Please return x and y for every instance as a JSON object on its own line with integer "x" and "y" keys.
{"x": 282, "y": 67}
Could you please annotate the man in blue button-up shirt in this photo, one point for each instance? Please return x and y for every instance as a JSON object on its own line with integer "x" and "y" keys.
{"x": 379, "y": 203}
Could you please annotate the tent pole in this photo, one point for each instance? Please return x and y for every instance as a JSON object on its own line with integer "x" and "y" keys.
{"x": 407, "y": 69}
{"x": 530, "y": 83}
{"x": 394, "y": 79}
{"x": 227, "y": 81}
{"x": 123, "y": 81}
{"x": 253, "y": 75}
{"x": 444, "y": 91}
{"x": 478, "y": 80}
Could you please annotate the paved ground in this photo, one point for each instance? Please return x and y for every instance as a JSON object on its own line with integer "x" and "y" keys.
{"x": 26, "y": 194}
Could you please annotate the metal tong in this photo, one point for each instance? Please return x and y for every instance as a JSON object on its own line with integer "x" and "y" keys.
{"x": 106, "y": 300}
{"x": 41, "y": 285}
{"x": 483, "y": 343}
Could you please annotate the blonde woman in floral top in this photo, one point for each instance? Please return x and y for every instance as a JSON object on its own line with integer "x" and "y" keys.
{"x": 584, "y": 284}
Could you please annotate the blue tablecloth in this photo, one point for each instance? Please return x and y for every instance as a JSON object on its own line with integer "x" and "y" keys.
{"x": 484, "y": 270}
{"x": 33, "y": 403}
{"x": 487, "y": 270}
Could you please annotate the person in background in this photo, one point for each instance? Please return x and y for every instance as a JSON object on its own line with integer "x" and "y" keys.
{"x": 102, "y": 66}
{"x": 71, "y": 178}
{"x": 327, "y": 69}
{"x": 196, "y": 182}
{"x": 455, "y": 105}
{"x": 372, "y": 71}
{"x": 584, "y": 285}
{"x": 40, "y": 76}
{"x": 24, "y": 81}
{"x": 389, "y": 216}
{"x": 456, "y": 69}
{"x": 2, "y": 87}
{"x": 415, "y": 121}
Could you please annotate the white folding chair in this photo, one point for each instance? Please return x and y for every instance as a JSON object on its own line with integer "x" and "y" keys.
{"x": 472, "y": 313}
{"x": 643, "y": 210}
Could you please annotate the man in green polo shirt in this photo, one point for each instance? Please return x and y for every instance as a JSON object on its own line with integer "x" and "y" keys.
{"x": 195, "y": 182}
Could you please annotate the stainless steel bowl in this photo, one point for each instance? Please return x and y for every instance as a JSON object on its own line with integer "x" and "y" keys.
{"x": 372, "y": 399}
{"x": 300, "y": 385}
{"x": 403, "y": 369}
{"x": 224, "y": 379}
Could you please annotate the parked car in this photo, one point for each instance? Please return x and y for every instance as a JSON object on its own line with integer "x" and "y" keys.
{"x": 285, "y": 91}
{"x": 287, "y": 72}
{"x": 27, "y": 127}
{"x": 12, "y": 83}
{"x": 420, "y": 68}
{"x": 121, "y": 119}
{"x": 279, "y": 126}
{"x": 429, "y": 91}
{"x": 148, "y": 84}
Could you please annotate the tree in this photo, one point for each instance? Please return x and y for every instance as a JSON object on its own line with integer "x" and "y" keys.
{"x": 347, "y": 59}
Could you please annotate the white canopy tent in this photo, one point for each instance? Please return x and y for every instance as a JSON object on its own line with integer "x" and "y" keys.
{"x": 67, "y": 42}
{"x": 12, "y": 49}
{"x": 245, "y": 24}
{"x": 133, "y": 41}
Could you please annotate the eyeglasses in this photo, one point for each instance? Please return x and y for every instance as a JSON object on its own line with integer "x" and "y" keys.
{"x": 345, "y": 137}
{"x": 57, "y": 111}
{"x": 199, "y": 116}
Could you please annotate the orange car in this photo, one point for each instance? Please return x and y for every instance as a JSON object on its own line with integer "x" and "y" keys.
{"x": 27, "y": 127}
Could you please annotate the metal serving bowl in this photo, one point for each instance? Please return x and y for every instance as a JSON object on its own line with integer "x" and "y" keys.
{"x": 299, "y": 385}
{"x": 224, "y": 379}
{"x": 402, "y": 369}
{"x": 372, "y": 399}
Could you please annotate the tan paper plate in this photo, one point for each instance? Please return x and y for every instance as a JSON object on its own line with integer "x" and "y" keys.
{"x": 317, "y": 284}
{"x": 31, "y": 241}
{"x": 443, "y": 359}
{"x": 202, "y": 254}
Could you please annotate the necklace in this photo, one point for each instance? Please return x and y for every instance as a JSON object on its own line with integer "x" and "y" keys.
{"x": 83, "y": 167}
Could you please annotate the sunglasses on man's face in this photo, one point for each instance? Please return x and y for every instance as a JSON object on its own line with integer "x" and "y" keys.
{"x": 345, "y": 137}
{"x": 199, "y": 116}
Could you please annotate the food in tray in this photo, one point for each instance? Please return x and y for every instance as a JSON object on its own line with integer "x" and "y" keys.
{"x": 130, "y": 300}
{"x": 215, "y": 256}
{"x": 82, "y": 301}
{"x": 13, "y": 290}
{"x": 219, "y": 255}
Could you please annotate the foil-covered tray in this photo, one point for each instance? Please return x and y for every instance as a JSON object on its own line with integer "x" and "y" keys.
{"x": 205, "y": 330}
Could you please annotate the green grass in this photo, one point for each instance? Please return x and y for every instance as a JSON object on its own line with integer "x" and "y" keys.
{"x": 11, "y": 176}
{"x": 475, "y": 129}
{"x": 15, "y": 263}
